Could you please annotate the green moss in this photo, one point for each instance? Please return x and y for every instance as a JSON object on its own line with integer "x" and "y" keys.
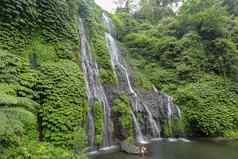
{"x": 121, "y": 110}
{"x": 179, "y": 127}
{"x": 173, "y": 127}
{"x": 139, "y": 116}
{"x": 107, "y": 76}
{"x": 98, "y": 121}
{"x": 167, "y": 129}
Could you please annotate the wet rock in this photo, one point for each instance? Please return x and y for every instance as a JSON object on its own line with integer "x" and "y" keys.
{"x": 130, "y": 148}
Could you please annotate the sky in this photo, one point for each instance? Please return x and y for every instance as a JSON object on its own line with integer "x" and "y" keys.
{"x": 108, "y": 5}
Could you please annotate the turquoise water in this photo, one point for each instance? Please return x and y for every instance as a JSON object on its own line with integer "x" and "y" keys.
{"x": 196, "y": 149}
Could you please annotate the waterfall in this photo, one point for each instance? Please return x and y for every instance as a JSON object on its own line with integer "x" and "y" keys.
{"x": 89, "y": 83}
{"x": 155, "y": 89}
{"x": 169, "y": 107}
{"x": 117, "y": 64}
{"x": 178, "y": 112}
{"x": 108, "y": 23}
{"x": 94, "y": 91}
{"x": 139, "y": 135}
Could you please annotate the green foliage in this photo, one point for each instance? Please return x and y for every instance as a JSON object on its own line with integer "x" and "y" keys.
{"x": 11, "y": 67}
{"x": 223, "y": 57}
{"x": 177, "y": 51}
{"x": 179, "y": 126}
{"x": 39, "y": 51}
{"x": 27, "y": 118}
{"x": 167, "y": 129}
{"x": 92, "y": 16}
{"x": 17, "y": 23}
{"x": 154, "y": 10}
{"x": 207, "y": 17}
{"x": 35, "y": 150}
{"x": 55, "y": 21}
{"x": 142, "y": 44}
{"x": 10, "y": 132}
{"x": 173, "y": 127}
{"x": 103, "y": 58}
{"x": 122, "y": 116}
{"x": 98, "y": 121}
{"x": 15, "y": 124}
{"x": 140, "y": 79}
{"x": 125, "y": 23}
{"x": 57, "y": 86}
{"x": 210, "y": 105}
{"x": 100, "y": 51}
{"x": 182, "y": 42}
{"x": 232, "y": 6}
{"x": 42, "y": 91}
{"x": 16, "y": 101}
{"x": 231, "y": 133}
{"x": 24, "y": 19}
{"x": 13, "y": 101}
{"x": 62, "y": 96}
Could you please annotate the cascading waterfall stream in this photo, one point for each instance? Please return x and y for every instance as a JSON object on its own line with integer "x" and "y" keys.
{"x": 115, "y": 53}
{"x": 89, "y": 84}
{"x": 169, "y": 107}
{"x": 155, "y": 89}
{"x": 179, "y": 112}
{"x": 139, "y": 135}
{"x": 169, "y": 104}
{"x": 94, "y": 91}
{"x": 107, "y": 138}
{"x": 115, "y": 62}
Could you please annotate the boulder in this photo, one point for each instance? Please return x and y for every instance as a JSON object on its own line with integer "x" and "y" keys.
{"x": 130, "y": 148}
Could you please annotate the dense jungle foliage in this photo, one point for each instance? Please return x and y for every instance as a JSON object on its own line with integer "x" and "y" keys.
{"x": 190, "y": 53}
{"x": 43, "y": 103}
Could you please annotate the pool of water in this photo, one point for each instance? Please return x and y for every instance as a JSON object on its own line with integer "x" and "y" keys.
{"x": 183, "y": 149}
